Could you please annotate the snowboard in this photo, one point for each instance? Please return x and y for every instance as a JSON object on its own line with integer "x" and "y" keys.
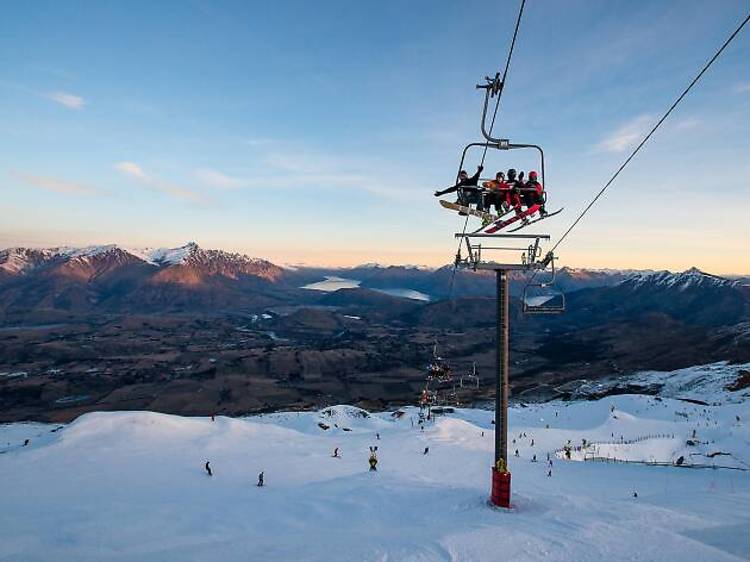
{"x": 469, "y": 211}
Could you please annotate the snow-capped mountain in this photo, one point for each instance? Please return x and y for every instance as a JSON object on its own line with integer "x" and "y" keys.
{"x": 689, "y": 279}
{"x": 115, "y": 278}
{"x": 691, "y": 296}
{"x": 15, "y": 261}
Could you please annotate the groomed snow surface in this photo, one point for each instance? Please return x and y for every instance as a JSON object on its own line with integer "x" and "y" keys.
{"x": 131, "y": 485}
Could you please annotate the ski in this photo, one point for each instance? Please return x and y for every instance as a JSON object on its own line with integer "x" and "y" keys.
{"x": 548, "y": 215}
{"x": 500, "y": 224}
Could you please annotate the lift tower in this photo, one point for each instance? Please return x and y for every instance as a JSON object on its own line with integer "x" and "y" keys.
{"x": 476, "y": 245}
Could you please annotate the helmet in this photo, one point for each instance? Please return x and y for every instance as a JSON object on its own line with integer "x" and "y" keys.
{"x": 532, "y": 175}
{"x": 512, "y": 174}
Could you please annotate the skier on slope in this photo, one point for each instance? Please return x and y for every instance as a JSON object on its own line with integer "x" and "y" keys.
{"x": 373, "y": 460}
{"x": 468, "y": 192}
{"x": 261, "y": 480}
{"x": 207, "y": 466}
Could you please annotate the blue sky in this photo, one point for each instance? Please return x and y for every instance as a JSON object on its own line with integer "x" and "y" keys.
{"x": 317, "y": 131}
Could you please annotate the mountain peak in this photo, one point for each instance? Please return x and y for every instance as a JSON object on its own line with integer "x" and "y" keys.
{"x": 687, "y": 279}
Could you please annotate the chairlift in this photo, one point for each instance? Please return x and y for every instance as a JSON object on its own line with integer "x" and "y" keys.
{"x": 438, "y": 370}
{"x": 543, "y": 297}
{"x": 502, "y": 144}
{"x": 472, "y": 379}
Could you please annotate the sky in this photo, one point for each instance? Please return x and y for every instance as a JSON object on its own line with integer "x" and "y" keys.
{"x": 317, "y": 132}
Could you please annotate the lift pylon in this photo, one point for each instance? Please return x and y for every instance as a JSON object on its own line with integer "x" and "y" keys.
{"x": 510, "y": 256}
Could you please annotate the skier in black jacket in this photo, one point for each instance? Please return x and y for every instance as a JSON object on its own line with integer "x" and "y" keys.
{"x": 467, "y": 187}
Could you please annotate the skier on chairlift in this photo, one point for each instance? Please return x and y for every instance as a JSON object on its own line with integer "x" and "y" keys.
{"x": 468, "y": 192}
{"x": 513, "y": 199}
{"x": 534, "y": 193}
{"x": 496, "y": 194}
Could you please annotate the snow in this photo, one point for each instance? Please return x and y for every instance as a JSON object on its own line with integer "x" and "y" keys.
{"x": 681, "y": 281}
{"x": 131, "y": 485}
{"x": 164, "y": 256}
{"x": 20, "y": 260}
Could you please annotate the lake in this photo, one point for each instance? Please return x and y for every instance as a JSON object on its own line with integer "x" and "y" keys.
{"x": 330, "y": 284}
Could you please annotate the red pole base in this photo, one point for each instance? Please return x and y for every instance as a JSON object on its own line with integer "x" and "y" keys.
{"x": 500, "y": 488}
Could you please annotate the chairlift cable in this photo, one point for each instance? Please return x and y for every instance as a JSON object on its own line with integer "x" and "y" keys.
{"x": 653, "y": 130}
{"x": 455, "y": 264}
{"x": 505, "y": 73}
{"x": 645, "y": 140}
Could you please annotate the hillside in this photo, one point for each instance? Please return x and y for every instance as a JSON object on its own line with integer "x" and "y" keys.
{"x": 131, "y": 485}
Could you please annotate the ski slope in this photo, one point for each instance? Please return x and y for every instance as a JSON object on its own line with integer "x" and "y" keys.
{"x": 131, "y": 485}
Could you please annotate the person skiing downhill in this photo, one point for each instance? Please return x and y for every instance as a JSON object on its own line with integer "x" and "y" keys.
{"x": 373, "y": 460}
{"x": 261, "y": 479}
{"x": 207, "y": 466}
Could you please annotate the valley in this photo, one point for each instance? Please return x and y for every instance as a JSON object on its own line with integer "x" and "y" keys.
{"x": 200, "y": 332}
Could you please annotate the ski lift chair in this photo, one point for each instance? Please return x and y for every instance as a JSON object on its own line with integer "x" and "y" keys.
{"x": 543, "y": 297}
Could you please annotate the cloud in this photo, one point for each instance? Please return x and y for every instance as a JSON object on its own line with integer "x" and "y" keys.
{"x": 135, "y": 171}
{"x": 56, "y": 185}
{"x": 68, "y": 100}
{"x": 132, "y": 169}
{"x": 295, "y": 166}
{"x": 627, "y": 135}
{"x": 742, "y": 88}
{"x": 214, "y": 178}
{"x": 687, "y": 124}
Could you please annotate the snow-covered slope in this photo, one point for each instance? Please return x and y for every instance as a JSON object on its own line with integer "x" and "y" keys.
{"x": 131, "y": 485}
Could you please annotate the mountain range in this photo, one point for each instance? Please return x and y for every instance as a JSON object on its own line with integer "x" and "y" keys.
{"x": 111, "y": 278}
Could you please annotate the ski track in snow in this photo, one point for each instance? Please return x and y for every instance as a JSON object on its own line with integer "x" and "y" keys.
{"x": 131, "y": 486}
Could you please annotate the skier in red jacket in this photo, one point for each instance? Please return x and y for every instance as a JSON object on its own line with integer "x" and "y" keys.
{"x": 533, "y": 195}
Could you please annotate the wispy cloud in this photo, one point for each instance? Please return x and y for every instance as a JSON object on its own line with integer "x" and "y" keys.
{"x": 219, "y": 180}
{"x": 134, "y": 171}
{"x": 688, "y": 124}
{"x": 56, "y": 185}
{"x": 316, "y": 169}
{"x": 742, "y": 88}
{"x": 627, "y": 135}
{"x": 71, "y": 101}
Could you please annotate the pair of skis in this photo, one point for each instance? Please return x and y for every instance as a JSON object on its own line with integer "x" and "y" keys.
{"x": 524, "y": 216}
{"x": 495, "y": 223}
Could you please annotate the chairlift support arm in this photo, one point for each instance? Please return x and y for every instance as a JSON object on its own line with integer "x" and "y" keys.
{"x": 502, "y": 144}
